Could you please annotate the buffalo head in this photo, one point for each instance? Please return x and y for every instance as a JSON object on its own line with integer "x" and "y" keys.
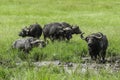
{"x": 24, "y": 32}
{"x": 76, "y": 30}
{"x": 92, "y": 39}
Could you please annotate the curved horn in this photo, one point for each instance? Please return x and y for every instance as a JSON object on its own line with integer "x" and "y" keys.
{"x": 82, "y": 37}
{"x": 36, "y": 41}
{"x": 98, "y": 37}
{"x": 67, "y": 28}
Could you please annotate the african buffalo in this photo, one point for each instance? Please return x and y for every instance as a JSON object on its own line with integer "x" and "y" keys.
{"x": 75, "y": 28}
{"x": 50, "y": 30}
{"x": 33, "y": 30}
{"x": 26, "y": 44}
{"x": 57, "y": 30}
{"x": 97, "y": 45}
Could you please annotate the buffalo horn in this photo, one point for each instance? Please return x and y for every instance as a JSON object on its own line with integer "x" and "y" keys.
{"x": 67, "y": 28}
{"x": 98, "y": 37}
{"x": 82, "y": 37}
{"x": 37, "y": 41}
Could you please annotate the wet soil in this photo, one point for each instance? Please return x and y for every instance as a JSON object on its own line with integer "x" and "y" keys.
{"x": 111, "y": 65}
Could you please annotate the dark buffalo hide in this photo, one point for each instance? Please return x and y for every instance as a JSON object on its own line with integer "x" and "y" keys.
{"x": 55, "y": 31}
{"x": 33, "y": 30}
{"x": 97, "y": 45}
{"x": 76, "y": 30}
{"x": 60, "y": 31}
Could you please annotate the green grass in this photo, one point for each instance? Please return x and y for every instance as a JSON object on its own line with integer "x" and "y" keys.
{"x": 91, "y": 15}
{"x": 25, "y": 72}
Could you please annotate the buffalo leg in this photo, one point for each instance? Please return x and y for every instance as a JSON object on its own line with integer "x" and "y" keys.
{"x": 103, "y": 56}
{"x": 91, "y": 55}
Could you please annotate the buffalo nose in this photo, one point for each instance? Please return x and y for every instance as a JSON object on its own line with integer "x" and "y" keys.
{"x": 89, "y": 44}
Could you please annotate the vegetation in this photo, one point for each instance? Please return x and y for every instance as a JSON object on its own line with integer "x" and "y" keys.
{"x": 91, "y": 15}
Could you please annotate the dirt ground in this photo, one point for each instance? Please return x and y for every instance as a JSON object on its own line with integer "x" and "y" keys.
{"x": 111, "y": 65}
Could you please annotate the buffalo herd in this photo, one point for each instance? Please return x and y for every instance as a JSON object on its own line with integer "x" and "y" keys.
{"x": 62, "y": 31}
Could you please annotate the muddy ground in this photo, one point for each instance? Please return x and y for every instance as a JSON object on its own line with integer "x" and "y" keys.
{"x": 111, "y": 65}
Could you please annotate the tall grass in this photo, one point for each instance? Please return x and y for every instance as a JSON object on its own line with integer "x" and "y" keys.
{"x": 91, "y": 15}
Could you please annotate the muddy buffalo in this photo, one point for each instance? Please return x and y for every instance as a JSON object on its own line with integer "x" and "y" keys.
{"x": 97, "y": 45}
{"x": 26, "y": 44}
{"x": 33, "y": 30}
